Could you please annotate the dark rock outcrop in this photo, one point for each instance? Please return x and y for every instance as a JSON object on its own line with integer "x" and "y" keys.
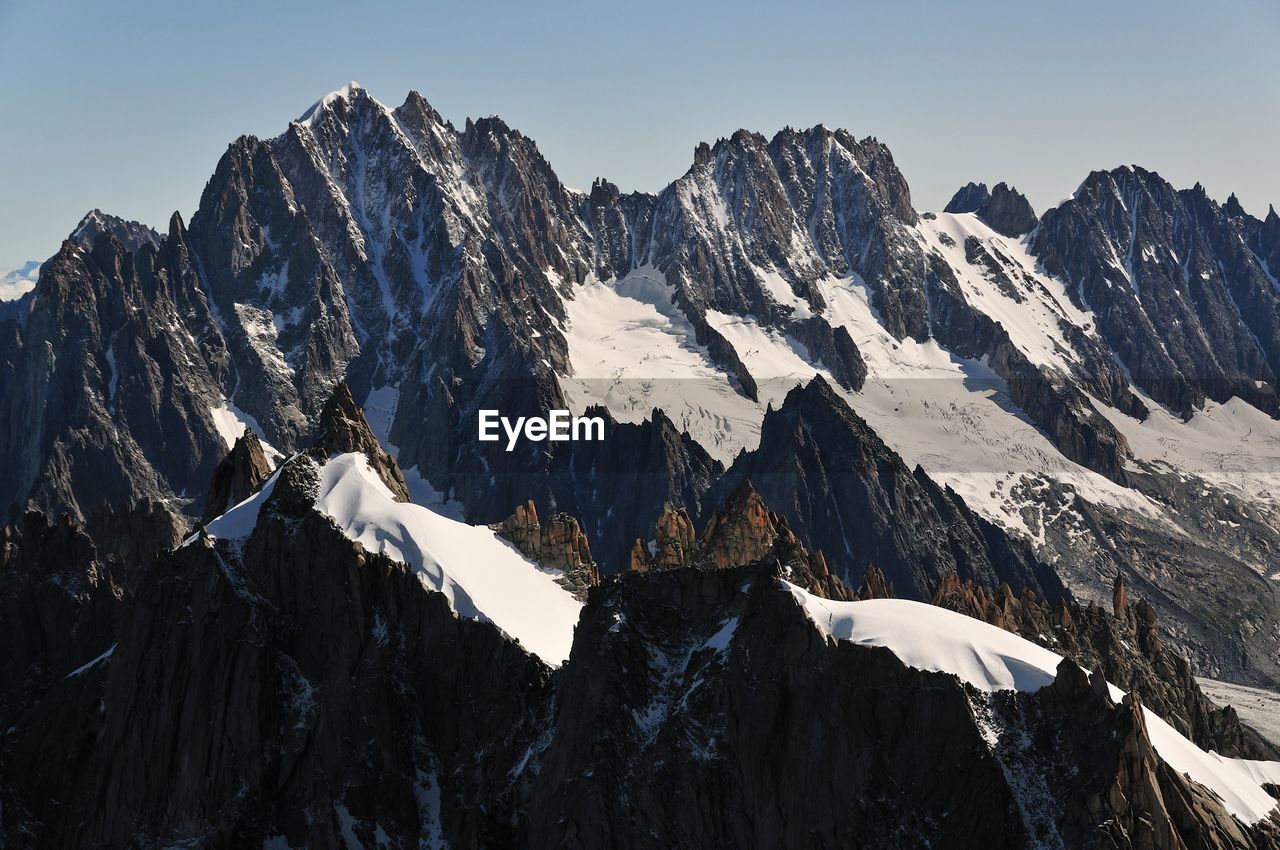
{"x": 1180, "y": 298}
{"x": 847, "y": 493}
{"x": 1004, "y": 208}
{"x": 1008, "y": 211}
{"x": 343, "y": 429}
{"x": 237, "y": 477}
{"x": 968, "y": 199}
{"x": 59, "y": 605}
{"x": 699, "y": 708}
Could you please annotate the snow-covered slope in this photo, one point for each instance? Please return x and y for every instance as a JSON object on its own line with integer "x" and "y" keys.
{"x": 991, "y": 659}
{"x": 482, "y": 576}
{"x": 632, "y": 350}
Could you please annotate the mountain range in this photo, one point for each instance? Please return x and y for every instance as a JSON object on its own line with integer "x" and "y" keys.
{"x": 266, "y": 586}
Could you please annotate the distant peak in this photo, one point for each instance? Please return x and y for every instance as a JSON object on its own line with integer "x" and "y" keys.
{"x": 346, "y": 93}
{"x": 132, "y": 234}
{"x": 969, "y": 198}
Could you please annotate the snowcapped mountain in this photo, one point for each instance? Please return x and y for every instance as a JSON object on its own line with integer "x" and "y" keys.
{"x": 15, "y": 283}
{"x": 1029, "y": 405}
{"x": 1113, "y": 411}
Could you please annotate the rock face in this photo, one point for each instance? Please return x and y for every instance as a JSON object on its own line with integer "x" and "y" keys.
{"x": 335, "y": 645}
{"x": 374, "y": 255}
{"x": 343, "y": 428}
{"x": 59, "y": 604}
{"x": 1188, "y": 308}
{"x": 110, "y": 376}
{"x": 617, "y": 486}
{"x": 238, "y": 476}
{"x": 742, "y": 532}
{"x": 1124, "y": 645}
{"x": 820, "y": 466}
{"x": 733, "y": 720}
{"x": 688, "y": 685}
{"x": 1006, "y": 209}
{"x": 969, "y": 198}
{"x": 559, "y": 544}
{"x": 1110, "y": 786}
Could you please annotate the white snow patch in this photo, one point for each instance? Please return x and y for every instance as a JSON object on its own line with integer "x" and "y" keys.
{"x": 343, "y": 93}
{"x": 632, "y": 350}
{"x": 482, "y": 576}
{"x": 239, "y": 522}
{"x": 720, "y": 640}
{"x": 778, "y": 287}
{"x": 991, "y": 659}
{"x": 1232, "y": 446}
{"x": 231, "y": 423}
{"x": 1032, "y": 324}
{"x": 954, "y": 417}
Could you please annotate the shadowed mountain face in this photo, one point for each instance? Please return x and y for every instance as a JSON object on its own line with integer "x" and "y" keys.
{"x": 997, "y": 388}
{"x": 328, "y": 665}
{"x": 841, "y": 488}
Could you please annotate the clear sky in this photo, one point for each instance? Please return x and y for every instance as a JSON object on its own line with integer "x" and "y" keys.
{"x": 127, "y": 106}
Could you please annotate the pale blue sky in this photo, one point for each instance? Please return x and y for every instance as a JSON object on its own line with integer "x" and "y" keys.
{"x": 127, "y": 106}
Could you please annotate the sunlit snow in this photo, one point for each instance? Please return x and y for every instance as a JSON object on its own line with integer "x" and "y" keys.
{"x": 991, "y": 659}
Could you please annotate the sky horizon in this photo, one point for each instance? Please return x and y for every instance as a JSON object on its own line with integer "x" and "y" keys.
{"x": 129, "y": 112}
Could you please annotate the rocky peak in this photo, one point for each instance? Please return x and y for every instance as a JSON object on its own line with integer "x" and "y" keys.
{"x": 1119, "y": 597}
{"x": 1188, "y": 308}
{"x": 1004, "y": 208}
{"x": 844, "y": 502}
{"x": 343, "y": 428}
{"x": 1008, "y": 211}
{"x": 969, "y": 198}
{"x": 674, "y": 538}
{"x": 339, "y": 99}
{"x": 559, "y": 544}
{"x": 743, "y": 531}
{"x": 132, "y": 235}
{"x": 873, "y": 584}
{"x": 237, "y": 477}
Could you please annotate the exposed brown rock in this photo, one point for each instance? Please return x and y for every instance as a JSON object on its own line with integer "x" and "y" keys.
{"x": 743, "y": 531}
{"x": 641, "y": 561}
{"x": 1119, "y": 598}
{"x": 560, "y": 544}
{"x": 675, "y": 539}
{"x": 873, "y": 584}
